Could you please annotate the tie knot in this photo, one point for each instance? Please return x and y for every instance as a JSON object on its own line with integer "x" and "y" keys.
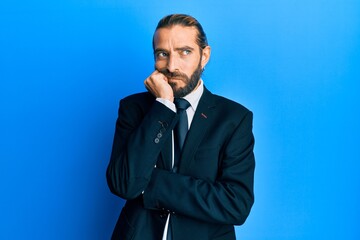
{"x": 181, "y": 103}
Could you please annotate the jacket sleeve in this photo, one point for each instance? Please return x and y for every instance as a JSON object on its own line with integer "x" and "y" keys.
{"x": 227, "y": 200}
{"x": 139, "y": 137}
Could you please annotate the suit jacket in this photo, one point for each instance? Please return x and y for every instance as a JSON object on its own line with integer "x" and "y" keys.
{"x": 212, "y": 189}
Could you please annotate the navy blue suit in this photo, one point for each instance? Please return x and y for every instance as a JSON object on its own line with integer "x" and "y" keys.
{"x": 213, "y": 188}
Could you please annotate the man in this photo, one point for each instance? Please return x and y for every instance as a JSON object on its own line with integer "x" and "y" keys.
{"x": 198, "y": 189}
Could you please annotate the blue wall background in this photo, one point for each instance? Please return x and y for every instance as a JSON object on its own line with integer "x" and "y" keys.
{"x": 64, "y": 65}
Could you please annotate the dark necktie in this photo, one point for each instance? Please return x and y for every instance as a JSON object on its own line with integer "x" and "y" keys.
{"x": 180, "y": 130}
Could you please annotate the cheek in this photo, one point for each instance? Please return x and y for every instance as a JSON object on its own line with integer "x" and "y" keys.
{"x": 189, "y": 68}
{"x": 160, "y": 64}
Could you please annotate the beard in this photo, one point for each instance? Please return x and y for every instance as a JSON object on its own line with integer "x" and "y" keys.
{"x": 190, "y": 82}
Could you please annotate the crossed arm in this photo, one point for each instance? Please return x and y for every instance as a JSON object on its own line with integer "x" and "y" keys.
{"x": 227, "y": 200}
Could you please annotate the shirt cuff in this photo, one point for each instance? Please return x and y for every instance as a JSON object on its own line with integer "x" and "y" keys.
{"x": 167, "y": 103}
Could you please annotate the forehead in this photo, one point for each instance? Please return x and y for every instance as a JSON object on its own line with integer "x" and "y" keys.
{"x": 175, "y": 36}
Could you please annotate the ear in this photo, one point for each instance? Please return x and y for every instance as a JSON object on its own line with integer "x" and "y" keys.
{"x": 205, "y": 56}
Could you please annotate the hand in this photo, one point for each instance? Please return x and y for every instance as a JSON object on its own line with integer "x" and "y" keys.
{"x": 158, "y": 85}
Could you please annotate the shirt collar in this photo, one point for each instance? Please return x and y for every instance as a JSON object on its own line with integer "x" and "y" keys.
{"x": 194, "y": 97}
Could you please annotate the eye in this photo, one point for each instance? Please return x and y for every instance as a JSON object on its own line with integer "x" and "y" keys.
{"x": 186, "y": 52}
{"x": 161, "y": 55}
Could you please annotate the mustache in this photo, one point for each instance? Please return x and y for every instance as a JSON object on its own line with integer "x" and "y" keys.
{"x": 169, "y": 74}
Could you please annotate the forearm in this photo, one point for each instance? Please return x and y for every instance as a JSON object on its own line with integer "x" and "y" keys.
{"x": 219, "y": 202}
{"x": 136, "y": 149}
{"x": 225, "y": 200}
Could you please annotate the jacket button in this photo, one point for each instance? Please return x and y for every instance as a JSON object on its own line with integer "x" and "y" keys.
{"x": 157, "y": 140}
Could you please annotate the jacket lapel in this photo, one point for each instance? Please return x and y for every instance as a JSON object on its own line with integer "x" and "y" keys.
{"x": 199, "y": 126}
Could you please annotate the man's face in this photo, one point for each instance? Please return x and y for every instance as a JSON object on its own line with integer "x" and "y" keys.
{"x": 178, "y": 57}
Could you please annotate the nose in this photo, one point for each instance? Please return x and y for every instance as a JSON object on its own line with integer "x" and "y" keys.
{"x": 172, "y": 64}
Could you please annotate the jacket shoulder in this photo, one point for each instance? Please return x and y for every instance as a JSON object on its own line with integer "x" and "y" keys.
{"x": 137, "y": 104}
{"x": 138, "y": 97}
{"x": 231, "y": 103}
{"x": 229, "y": 107}
{"x": 141, "y": 100}
{"x": 223, "y": 102}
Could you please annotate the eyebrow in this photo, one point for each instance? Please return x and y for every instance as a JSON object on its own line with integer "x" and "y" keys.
{"x": 184, "y": 48}
{"x": 176, "y": 49}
